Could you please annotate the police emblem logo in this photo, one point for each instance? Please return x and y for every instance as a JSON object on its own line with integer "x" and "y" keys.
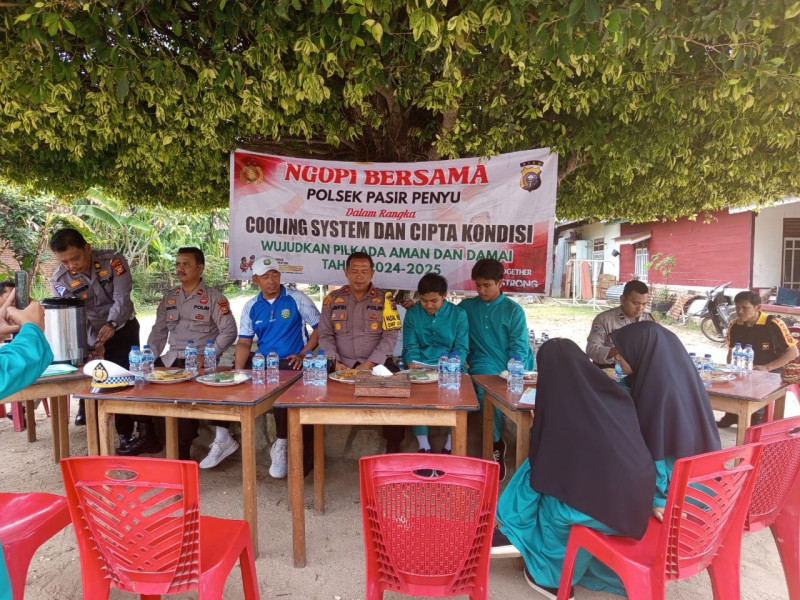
{"x": 171, "y": 301}
{"x": 75, "y": 283}
{"x": 84, "y": 296}
{"x": 203, "y": 300}
{"x": 103, "y": 273}
{"x": 373, "y": 326}
{"x": 251, "y": 174}
{"x": 373, "y": 317}
{"x": 96, "y": 265}
{"x": 100, "y": 374}
{"x": 531, "y": 175}
{"x": 200, "y": 291}
{"x": 118, "y": 267}
{"x": 171, "y": 317}
{"x": 285, "y": 313}
{"x": 199, "y": 317}
{"x": 340, "y": 301}
{"x": 338, "y": 326}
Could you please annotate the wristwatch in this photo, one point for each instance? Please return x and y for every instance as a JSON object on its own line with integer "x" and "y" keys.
{"x": 112, "y": 323}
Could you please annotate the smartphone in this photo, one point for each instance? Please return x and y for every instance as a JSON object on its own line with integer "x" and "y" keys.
{"x": 22, "y": 288}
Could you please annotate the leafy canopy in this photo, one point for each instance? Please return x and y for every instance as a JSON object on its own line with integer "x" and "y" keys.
{"x": 656, "y": 108}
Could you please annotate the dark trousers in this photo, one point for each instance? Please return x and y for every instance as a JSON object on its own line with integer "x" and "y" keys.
{"x": 391, "y": 433}
{"x": 281, "y": 416}
{"x": 187, "y": 428}
{"x": 116, "y": 351}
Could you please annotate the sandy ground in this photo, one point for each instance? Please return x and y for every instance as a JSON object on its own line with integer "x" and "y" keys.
{"x": 335, "y": 559}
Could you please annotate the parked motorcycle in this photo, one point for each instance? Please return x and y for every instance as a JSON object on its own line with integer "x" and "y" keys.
{"x": 716, "y": 314}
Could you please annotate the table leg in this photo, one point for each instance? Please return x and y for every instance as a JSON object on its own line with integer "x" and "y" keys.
{"x": 523, "y": 421}
{"x": 171, "y": 427}
{"x": 16, "y": 413}
{"x": 55, "y": 432}
{"x": 296, "y": 485}
{"x": 488, "y": 427}
{"x": 460, "y": 433}
{"x": 249, "y": 489}
{"x": 92, "y": 437}
{"x": 105, "y": 426}
{"x": 780, "y": 405}
{"x": 63, "y": 423}
{"x": 743, "y": 420}
{"x": 30, "y": 420}
{"x": 319, "y": 468}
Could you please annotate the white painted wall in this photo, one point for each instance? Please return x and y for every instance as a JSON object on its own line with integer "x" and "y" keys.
{"x": 768, "y": 243}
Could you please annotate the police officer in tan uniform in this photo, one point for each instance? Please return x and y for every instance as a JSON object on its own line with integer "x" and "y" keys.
{"x": 102, "y": 279}
{"x": 360, "y": 323}
{"x": 632, "y": 306}
{"x": 191, "y": 311}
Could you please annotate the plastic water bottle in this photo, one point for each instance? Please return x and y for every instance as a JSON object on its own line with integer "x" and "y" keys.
{"x": 619, "y": 374}
{"x": 321, "y": 368}
{"x": 308, "y": 369}
{"x": 273, "y": 361}
{"x": 453, "y": 371}
{"x": 210, "y": 357}
{"x": 258, "y": 368}
{"x": 736, "y": 356}
{"x": 748, "y": 356}
{"x": 148, "y": 361}
{"x": 515, "y": 373}
{"x": 135, "y": 362}
{"x": 190, "y": 357}
{"x": 442, "y": 368}
{"x": 532, "y": 339}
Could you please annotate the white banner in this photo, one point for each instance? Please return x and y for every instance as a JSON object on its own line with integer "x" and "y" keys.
{"x": 412, "y": 218}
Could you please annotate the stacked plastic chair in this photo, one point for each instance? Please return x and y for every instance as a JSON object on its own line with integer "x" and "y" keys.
{"x": 140, "y": 530}
{"x": 428, "y": 521}
{"x": 26, "y": 522}
{"x": 703, "y": 523}
{"x": 776, "y": 496}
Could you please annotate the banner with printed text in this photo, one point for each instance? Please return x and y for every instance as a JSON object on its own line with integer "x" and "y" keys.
{"x": 412, "y": 218}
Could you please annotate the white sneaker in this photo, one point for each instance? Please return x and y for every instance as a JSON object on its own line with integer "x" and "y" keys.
{"x": 277, "y": 453}
{"x": 218, "y": 452}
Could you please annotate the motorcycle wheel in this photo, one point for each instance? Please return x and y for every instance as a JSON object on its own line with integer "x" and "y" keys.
{"x": 708, "y": 329}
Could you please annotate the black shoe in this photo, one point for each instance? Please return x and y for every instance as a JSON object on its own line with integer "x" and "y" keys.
{"x": 146, "y": 443}
{"x": 80, "y": 418}
{"x": 728, "y": 420}
{"x": 125, "y": 442}
{"x": 499, "y": 455}
{"x": 445, "y": 451}
{"x": 547, "y": 592}
{"x": 502, "y": 546}
{"x": 425, "y": 472}
{"x": 757, "y": 418}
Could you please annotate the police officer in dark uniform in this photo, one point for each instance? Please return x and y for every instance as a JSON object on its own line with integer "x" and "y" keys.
{"x": 102, "y": 279}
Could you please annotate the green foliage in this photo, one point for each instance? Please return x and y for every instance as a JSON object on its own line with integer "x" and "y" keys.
{"x": 23, "y": 218}
{"x": 664, "y": 264}
{"x": 655, "y": 107}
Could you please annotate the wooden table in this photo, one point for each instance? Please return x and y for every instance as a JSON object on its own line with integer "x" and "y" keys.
{"x": 746, "y": 394}
{"x": 58, "y": 389}
{"x": 336, "y": 405}
{"x": 495, "y": 392}
{"x": 192, "y": 400}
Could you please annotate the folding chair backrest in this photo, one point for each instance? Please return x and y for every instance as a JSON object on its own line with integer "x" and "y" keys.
{"x": 428, "y": 535}
{"x": 778, "y": 477}
{"x": 707, "y": 500}
{"x": 139, "y": 520}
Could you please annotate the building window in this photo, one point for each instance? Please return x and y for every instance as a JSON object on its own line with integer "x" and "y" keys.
{"x": 641, "y": 258}
{"x": 598, "y": 253}
{"x": 791, "y": 263}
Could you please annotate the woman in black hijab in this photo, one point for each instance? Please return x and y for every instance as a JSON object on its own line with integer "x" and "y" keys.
{"x": 672, "y": 405}
{"x": 588, "y": 465}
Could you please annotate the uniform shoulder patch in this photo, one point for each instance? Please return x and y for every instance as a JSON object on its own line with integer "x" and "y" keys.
{"x": 118, "y": 267}
{"x": 327, "y": 300}
{"x": 224, "y": 307}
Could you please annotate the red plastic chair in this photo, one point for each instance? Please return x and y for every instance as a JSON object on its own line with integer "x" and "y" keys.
{"x": 139, "y": 529}
{"x": 776, "y": 496}
{"x": 427, "y": 535}
{"x": 703, "y": 520}
{"x": 26, "y": 522}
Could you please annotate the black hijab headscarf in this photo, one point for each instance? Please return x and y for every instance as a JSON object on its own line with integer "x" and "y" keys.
{"x": 586, "y": 449}
{"x": 675, "y": 415}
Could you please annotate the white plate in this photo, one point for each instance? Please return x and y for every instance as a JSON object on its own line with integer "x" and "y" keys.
{"x": 722, "y": 377}
{"x": 339, "y": 376}
{"x": 432, "y": 376}
{"x": 527, "y": 376}
{"x": 188, "y": 375}
{"x": 211, "y": 378}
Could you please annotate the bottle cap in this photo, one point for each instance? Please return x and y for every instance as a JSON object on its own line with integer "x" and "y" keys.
{"x": 134, "y": 348}
{"x": 190, "y": 342}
